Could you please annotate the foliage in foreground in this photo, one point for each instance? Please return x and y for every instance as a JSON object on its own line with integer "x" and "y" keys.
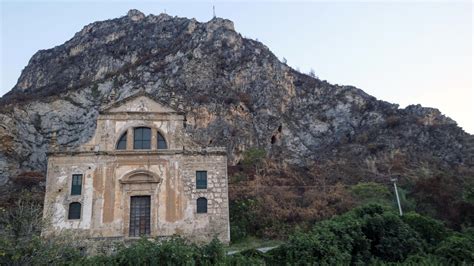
{"x": 372, "y": 234}
{"x": 175, "y": 251}
{"x": 20, "y": 241}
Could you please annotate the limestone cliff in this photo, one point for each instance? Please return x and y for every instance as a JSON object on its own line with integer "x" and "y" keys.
{"x": 234, "y": 91}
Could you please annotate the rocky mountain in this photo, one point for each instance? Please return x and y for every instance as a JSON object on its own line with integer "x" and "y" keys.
{"x": 235, "y": 93}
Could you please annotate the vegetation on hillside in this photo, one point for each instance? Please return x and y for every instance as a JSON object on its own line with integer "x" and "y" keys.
{"x": 372, "y": 234}
{"x": 318, "y": 222}
{"x": 271, "y": 201}
{"x": 375, "y": 235}
{"x": 326, "y": 152}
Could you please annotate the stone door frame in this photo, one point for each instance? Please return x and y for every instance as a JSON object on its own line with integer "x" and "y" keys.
{"x": 140, "y": 183}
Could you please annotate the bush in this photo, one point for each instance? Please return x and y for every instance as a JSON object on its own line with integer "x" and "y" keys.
{"x": 244, "y": 259}
{"x": 336, "y": 241}
{"x": 458, "y": 248}
{"x": 368, "y": 233}
{"x": 23, "y": 220}
{"x": 376, "y": 234}
{"x": 242, "y": 219}
{"x": 145, "y": 252}
{"x": 370, "y": 192}
{"x": 430, "y": 230}
{"x": 175, "y": 251}
{"x": 212, "y": 253}
{"x": 426, "y": 259}
{"x": 37, "y": 251}
{"x": 253, "y": 157}
{"x": 443, "y": 197}
{"x": 391, "y": 239}
{"x": 368, "y": 210}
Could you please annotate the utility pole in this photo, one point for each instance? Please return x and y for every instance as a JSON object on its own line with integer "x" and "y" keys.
{"x": 394, "y": 180}
{"x": 213, "y": 11}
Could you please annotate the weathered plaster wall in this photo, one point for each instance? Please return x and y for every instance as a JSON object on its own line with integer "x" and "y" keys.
{"x": 58, "y": 190}
{"x": 105, "y": 199}
{"x": 112, "y": 176}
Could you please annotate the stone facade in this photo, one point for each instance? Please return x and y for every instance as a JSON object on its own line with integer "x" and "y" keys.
{"x": 110, "y": 177}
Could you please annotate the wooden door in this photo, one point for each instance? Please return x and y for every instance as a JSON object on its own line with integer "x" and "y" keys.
{"x": 139, "y": 215}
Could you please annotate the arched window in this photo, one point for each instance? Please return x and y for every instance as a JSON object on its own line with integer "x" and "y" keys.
{"x": 122, "y": 143}
{"x": 161, "y": 142}
{"x": 201, "y": 205}
{"x": 74, "y": 211}
{"x": 142, "y": 138}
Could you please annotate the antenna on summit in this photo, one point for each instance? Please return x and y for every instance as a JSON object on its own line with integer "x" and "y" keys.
{"x": 213, "y": 11}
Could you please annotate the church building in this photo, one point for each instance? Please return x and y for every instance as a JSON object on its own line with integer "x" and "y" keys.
{"x": 139, "y": 175}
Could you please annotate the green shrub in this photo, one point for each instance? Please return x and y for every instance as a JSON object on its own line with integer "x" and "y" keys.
{"x": 336, "y": 241}
{"x": 431, "y": 230}
{"x": 368, "y": 210}
{"x": 244, "y": 259}
{"x": 175, "y": 251}
{"x": 242, "y": 219}
{"x": 37, "y": 251}
{"x": 253, "y": 157}
{"x": 368, "y": 233}
{"x": 391, "y": 239}
{"x": 212, "y": 253}
{"x": 458, "y": 248}
{"x": 425, "y": 260}
{"x": 145, "y": 252}
{"x": 370, "y": 192}
{"x": 238, "y": 232}
{"x": 371, "y": 234}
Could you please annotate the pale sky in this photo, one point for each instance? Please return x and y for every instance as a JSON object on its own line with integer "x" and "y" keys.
{"x": 400, "y": 52}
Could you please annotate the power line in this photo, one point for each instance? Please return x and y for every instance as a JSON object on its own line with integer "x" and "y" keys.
{"x": 295, "y": 186}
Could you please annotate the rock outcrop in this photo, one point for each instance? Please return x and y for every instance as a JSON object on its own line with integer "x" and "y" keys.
{"x": 234, "y": 91}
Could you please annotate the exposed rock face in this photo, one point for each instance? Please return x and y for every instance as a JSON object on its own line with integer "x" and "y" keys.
{"x": 234, "y": 91}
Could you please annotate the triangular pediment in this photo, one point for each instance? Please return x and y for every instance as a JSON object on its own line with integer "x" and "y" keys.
{"x": 140, "y": 102}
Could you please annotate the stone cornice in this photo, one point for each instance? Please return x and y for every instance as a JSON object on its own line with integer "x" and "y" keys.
{"x": 158, "y": 116}
{"x": 208, "y": 151}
